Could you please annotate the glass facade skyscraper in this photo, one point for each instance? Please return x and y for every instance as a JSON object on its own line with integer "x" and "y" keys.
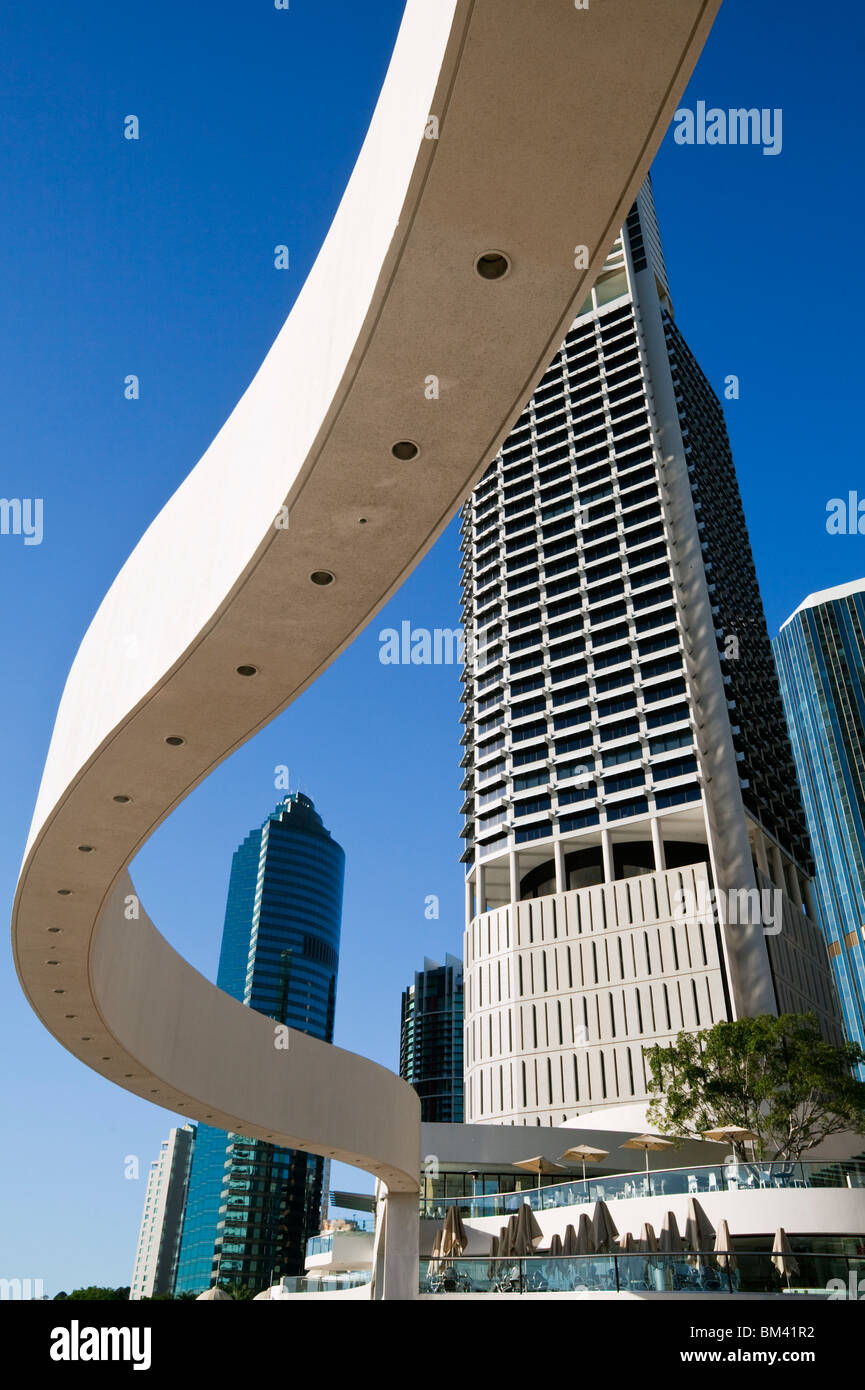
{"x": 637, "y": 862}
{"x": 251, "y": 1204}
{"x": 431, "y": 1040}
{"x": 820, "y": 654}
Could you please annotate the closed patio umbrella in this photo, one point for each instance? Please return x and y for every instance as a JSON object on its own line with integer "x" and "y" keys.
{"x": 648, "y": 1239}
{"x": 556, "y": 1247}
{"x": 724, "y": 1258}
{"x": 569, "y": 1241}
{"x": 584, "y": 1153}
{"x": 584, "y": 1237}
{"x": 669, "y": 1239}
{"x": 649, "y": 1143}
{"x": 699, "y": 1231}
{"x": 782, "y": 1255}
{"x": 604, "y": 1228}
{"x": 628, "y": 1244}
{"x": 493, "y": 1267}
{"x": 528, "y": 1233}
{"x": 435, "y": 1256}
{"x": 454, "y": 1235}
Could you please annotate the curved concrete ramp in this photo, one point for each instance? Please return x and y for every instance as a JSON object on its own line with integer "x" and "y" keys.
{"x": 515, "y": 128}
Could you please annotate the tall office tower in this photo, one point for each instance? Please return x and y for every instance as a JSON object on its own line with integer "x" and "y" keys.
{"x": 431, "y": 1039}
{"x": 624, "y": 749}
{"x": 820, "y": 654}
{"x": 162, "y": 1218}
{"x": 251, "y": 1205}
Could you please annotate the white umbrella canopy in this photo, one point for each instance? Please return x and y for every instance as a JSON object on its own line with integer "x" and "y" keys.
{"x": 211, "y": 1295}
{"x": 724, "y": 1258}
{"x": 735, "y": 1133}
{"x": 669, "y": 1239}
{"x": 539, "y": 1165}
{"x": 649, "y": 1143}
{"x": 604, "y": 1230}
{"x": 584, "y": 1153}
{"x": 782, "y": 1255}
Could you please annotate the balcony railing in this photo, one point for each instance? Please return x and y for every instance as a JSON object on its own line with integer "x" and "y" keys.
{"x": 818, "y": 1274}
{"x": 670, "y": 1182}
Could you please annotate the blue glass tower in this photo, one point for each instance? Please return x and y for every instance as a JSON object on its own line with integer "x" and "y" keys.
{"x": 820, "y": 655}
{"x": 251, "y": 1205}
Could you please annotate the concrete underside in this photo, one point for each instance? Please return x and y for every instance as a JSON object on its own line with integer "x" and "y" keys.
{"x": 549, "y": 118}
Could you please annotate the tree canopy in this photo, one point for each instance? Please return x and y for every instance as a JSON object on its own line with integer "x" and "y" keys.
{"x": 776, "y": 1076}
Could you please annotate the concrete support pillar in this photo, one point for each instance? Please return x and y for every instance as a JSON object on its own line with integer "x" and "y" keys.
{"x": 397, "y": 1246}
{"x": 514, "y": 870}
{"x": 760, "y": 846}
{"x": 607, "y": 852}
{"x": 470, "y": 897}
{"x": 810, "y": 904}
{"x": 559, "y": 853}
{"x": 793, "y": 885}
{"x": 480, "y": 890}
{"x": 658, "y": 844}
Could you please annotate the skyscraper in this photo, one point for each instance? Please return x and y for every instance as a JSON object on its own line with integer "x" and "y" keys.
{"x": 251, "y": 1204}
{"x": 820, "y": 653}
{"x": 162, "y": 1217}
{"x": 630, "y": 789}
{"x": 431, "y": 1039}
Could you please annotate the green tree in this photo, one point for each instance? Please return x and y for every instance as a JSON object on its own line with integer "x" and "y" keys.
{"x": 94, "y": 1293}
{"x": 776, "y": 1076}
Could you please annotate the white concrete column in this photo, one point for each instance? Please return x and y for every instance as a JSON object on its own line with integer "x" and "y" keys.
{"x": 559, "y": 854}
{"x": 480, "y": 890}
{"x": 514, "y": 870}
{"x": 397, "y": 1246}
{"x": 760, "y": 846}
{"x": 470, "y": 897}
{"x": 607, "y": 852}
{"x": 658, "y": 844}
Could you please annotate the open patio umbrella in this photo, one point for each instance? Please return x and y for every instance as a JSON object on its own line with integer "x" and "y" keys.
{"x": 648, "y": 1239}
{"x": 649, "y": 1143}
{"x": 669, "y": 1239}
{"x": 528, "y": 1233}
{"x": 724, "y": 1258}
{"x": 539, "y": 1165}
{"x": 604, "y": 1229}
{"x": 699, "y": 1232}
{"x": 584, "y": 1153}
{"x": 735, "y": 1133}
{"x": 569, "y": 1241}
{"x": 782, "y": 1255}
{"x": 584, "y": 1236}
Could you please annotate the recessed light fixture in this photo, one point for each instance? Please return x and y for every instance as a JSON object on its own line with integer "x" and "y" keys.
{"x": 64, "y": 892}
{"x": 321, "y": 578}
{"x": 247, "y": 670}
{"x": 71, "y": 1015}
{"x": 122, "y": 800}
{"x": 492, "y": 265}
{"x": 87, "y": 1039}
{"x": 174, "y": 740}
{"x": 106, "y": 1059}
{"x": 60, "y": 991}
{"x": 52, "y": 962}
{"x": 405, "y": 450}
{"x": 127, "y": 1076}
{"x": 85, "y": 849}
{"x": 54, "y": 930}
{"x": 362, "y": 520}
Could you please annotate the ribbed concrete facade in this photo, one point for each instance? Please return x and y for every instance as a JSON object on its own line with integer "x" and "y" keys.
{"x": 622, "y": 722}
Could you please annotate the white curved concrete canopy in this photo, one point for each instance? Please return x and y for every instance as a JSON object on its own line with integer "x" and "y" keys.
{"x": 549, "y": 117}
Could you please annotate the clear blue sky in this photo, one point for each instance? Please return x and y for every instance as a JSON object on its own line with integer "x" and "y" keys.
{"x": 156, "y": 258}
